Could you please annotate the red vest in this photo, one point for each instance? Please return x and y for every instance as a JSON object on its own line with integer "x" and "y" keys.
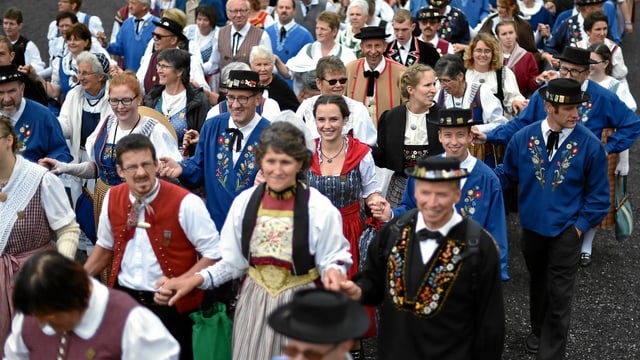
{"x": 106, "y": 343}
{"x": 175, "y": 254}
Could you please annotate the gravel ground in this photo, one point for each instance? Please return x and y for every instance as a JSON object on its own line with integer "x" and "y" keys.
{"x": 605, "y": 312}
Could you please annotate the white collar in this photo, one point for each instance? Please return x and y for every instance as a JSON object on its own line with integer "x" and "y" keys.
{"x": 444, "y": 230}
{"x": 288, "y": 27}
{"x": 243, "y": 31}
{"x": 16, "y": 116}
{"x": 564, "y": 133}
{"x": 379, "y": 68}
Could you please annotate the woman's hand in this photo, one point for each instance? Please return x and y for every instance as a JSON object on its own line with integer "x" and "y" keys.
{"x": 518, "y": 106}
{"x": 176, "y": 288}
{"x": 51, "y": 164}
{"x": 191, "y": 137}
{"x": 259, "y": 179}
{"x": 332, "y": 279}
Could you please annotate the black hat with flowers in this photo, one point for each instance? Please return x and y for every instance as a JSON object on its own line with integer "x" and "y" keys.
{"x": 437, "y": 168}
{"x": 243, "y": 80}
{"x": 429, "y": 13}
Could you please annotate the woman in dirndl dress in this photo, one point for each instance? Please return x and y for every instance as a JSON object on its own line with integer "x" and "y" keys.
{"x": 403, "y": 133}
{"x": 281, "y": 237}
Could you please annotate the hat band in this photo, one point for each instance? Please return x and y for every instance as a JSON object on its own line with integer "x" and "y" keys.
{"x": 423, "y": 173}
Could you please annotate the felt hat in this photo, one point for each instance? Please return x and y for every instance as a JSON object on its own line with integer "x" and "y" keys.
{"x": 575, "y": 55}
{"x": 589, "y": 2}
{"x": 437, "y": 168}
{"x": 429, "y": 13}
{"x": 371, "y": 32}
{"x": 454, "y": 117}
{"x": 172, "y": 26}
{"x": 9, "y": 73}
{"x": 320, "y": 316}
{"x": 439, "y": 3}
{"x": 243, "y": 80}
{"x": 564, "y": 91}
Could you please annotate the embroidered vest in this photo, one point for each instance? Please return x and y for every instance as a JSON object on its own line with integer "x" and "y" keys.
{"x": 106, "y": 343}
{"x": 173, "y": 250}
{"x": 476, "y": 104}
{"x": 224, "y": 45}
{"x": 19, "y": 48}
{"x": 151, "y": 77}
{"x": 442, "y": 47}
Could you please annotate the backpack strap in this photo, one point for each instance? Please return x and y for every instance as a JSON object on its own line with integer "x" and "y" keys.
{"x": 500, "y": 81}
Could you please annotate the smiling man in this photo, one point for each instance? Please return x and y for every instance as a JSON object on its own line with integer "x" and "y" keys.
{"x": 407, "y": 49}
{"x": 374, "y": 80}
{"x": 149, "y": 231}
{"x": 224, "y": 159}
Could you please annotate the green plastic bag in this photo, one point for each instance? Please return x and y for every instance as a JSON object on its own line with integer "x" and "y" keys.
{"x": 624, "y": 214}
{"x": 212, "y": 330}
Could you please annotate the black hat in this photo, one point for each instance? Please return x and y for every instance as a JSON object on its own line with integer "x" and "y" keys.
{"x": 564, "y": 91}
{"x": 105, "y": 64}
{"x": 172, "y": 26}
{"x": 454, "y": 117}
{"x": 243, "y": 80}
{"x": 371, "y": 32}
{"x": 439, "y": 3}
{"x": 9, "y": 73}
{"x": 429, "y": 13}
{"x": 575, "y": 55}
{"x": 589, "y": 2}
{"x": 437, "y": 168}
{"x": 320, "y": 316}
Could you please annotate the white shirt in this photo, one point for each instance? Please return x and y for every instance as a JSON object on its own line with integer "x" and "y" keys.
{"x": 379, "y": 68}
{"x": 144, "y": 336}
{"x": 270, "y": 110}
{"x": 32, "y": 56}
{"x": 561, "y": 138}
{"x": 415, "y": 132}
{"x": 140, "y": 269}
{"x": 428, "y": 247}
{"x": 213, "y": 65}
{"x": 510, "y": 87}
{"x": 359, "y": 120}
{"x": 492, "y": 113}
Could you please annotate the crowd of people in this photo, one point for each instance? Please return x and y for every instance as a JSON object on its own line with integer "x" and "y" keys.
{"x": 331, "y": 170}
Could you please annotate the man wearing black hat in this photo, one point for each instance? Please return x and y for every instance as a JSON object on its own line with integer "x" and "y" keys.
{"x": 430, "y": 23}
{"x": 481, "y": 191}
{"x": 435, "y": 275}
{"x": 561, "y": 169}
{"x": 603, "y": 110}
{"x": 224, "y": 159}
{"x": 168, "y": 35}
{"x": 406, "y": 49}
{"x": 39, "y": 132}
{"x": 319, "y": 324}
{"x": 374, "y": 80}
{"x": 455, "y": 26}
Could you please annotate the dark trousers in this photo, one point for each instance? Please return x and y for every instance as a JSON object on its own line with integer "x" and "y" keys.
{"x": 552, "y": 263}
{"x": 179, "y": 325}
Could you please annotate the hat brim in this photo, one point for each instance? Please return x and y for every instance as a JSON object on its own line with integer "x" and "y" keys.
{"x": 573, "y": 61}
{"x": 452, "y": 124}
{"x": 353, "y": 326}
{"x": 440, "y": 175}
{"x": 564, "y": 99}
{"x": 242, "y": 87}
{"x": 180, "y": 36}
{"x": 371, "y": 36}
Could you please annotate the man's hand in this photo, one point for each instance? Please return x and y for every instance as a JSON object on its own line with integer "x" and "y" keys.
{"x": 547, "y": 76}
{"x": 380, "y": 209}
{"x": 169, "y": 168}
{"x": 102, "y": 39}
{"x": 352, "y": 290}
{"x": 163, "y": 295}
{"x": 176, "y": 288}
{"x": 332, "y": 279}
{"x": 478, "y": 136}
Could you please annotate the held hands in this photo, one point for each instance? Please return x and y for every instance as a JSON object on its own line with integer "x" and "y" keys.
{"x": 544, "y": 30}
{"x": 332, "y": 279}
{"x": 169, "y": 168}
{"x": 380, "y": 208}
{"x": 191, "y": 137}
{"x": 353, "y": 291}
{"x": 172, "y": 290}
{"x": 102, "y": 38}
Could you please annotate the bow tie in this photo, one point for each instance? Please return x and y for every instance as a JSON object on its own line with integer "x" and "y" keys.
{"x": 425, "y": 234}
{"x": 236, "y": 138}
{"x": 371, "y": 83}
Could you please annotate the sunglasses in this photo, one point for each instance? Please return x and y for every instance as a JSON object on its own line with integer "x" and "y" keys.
{"x": 332, "y": 82}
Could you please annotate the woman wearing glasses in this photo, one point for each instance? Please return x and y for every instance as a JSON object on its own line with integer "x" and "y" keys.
{"x": 124, "y": 98}
{"x": 184, "y": 105}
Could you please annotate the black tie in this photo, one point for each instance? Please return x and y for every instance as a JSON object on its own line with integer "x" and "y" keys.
{"x": 236, "y": 42}
{"x": 283, "y": 33}
{"x": 371, "y": 83}
{"x": 401, "y": 47}
{"x": 426, "y": 234}
{"x": 308, "y": 8}
{"x": 138, "y": 21}
{"x": 236, "y": 138}
{"x": 552, "y": 142}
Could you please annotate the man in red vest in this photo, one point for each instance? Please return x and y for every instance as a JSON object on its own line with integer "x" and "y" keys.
{"x": 151, "y": 230}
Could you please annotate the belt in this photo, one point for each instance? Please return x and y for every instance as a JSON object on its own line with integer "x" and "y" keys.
{"x": 143, "y": 297}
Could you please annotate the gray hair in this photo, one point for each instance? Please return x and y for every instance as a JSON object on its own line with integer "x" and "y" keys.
{"x": 92, "y": 59}
{"x": 236, "y": 65}
{"x": 261, "y": 52}
{"x": 362, "y": 4}
{"x": 291, "y": 117}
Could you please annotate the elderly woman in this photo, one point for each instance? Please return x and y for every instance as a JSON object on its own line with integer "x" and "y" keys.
{"x": 124, "y": 98}
{"x": 64, "y": 76}
{"x": 262, "y": 61}
{"x": 403, "y": 133}
{"x": 358, "y": 15}
{"x": 184, "y": 105}
{"x": 282, "y": 228}
{"x": 520, "y": 61}
{"x": 596, "y": 26}
{"x": 302, "y": 66}
{"x": 35, "y": 211}
{"x": 483, "y": 60}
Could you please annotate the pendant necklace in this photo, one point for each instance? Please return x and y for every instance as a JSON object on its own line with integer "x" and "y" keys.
{"x": 330, "y": 159}
{"x": 3, "y": 195}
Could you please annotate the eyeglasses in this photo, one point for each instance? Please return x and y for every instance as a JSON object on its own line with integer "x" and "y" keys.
{"x": 293, "y": 352}
{"x": 157, "y": 36}
{"x": 123, "y": 101}
{"x": 483, "y": 51}
{"x": 86, "y": 73}
{"x": 596, "y": 62}
{"x": 163, "y": 66}
{"x": 431, "y": 21}
{"x": 238, "y": 11}
{"x": 332, "y": 82}
{"x": 572, "y": 72}
{"x": 243, "y": 100}
{"x": 146, "y": 166}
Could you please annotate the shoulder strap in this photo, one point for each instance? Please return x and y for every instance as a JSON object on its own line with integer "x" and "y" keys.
{"x": 474, "y": 231}
{"x": 395, "y": 233}
{"x": 499, "y": 79}
{"x": 250, "y": 216}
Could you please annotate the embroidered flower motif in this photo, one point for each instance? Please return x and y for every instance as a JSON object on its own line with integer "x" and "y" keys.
{"x": 471, "y": 201}
{"x": 247, "y": 168}
{"x": 24, "y": 134}
{"x": 222, "y": 170}
{"x": 584, "y": 110}
{"x": 570, "y": 150}
{"x": 537, "y": 158}
{"x": 434, "y": 287}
